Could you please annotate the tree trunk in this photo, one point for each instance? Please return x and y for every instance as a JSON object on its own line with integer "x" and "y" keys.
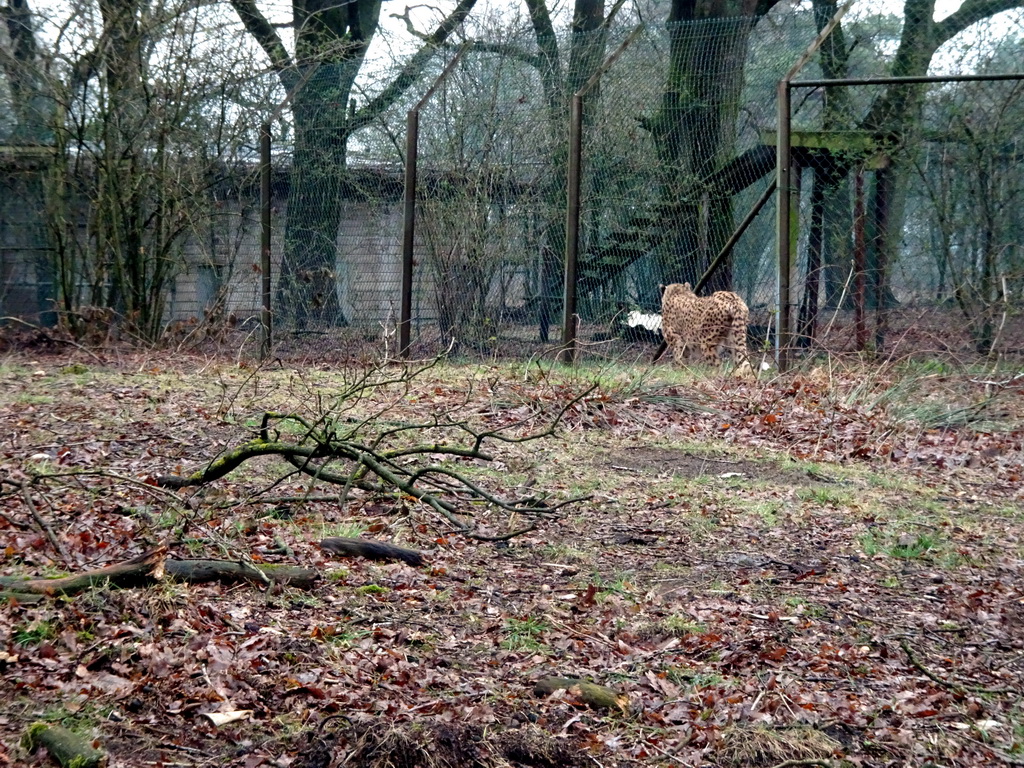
{"x": 695, "y": 135}
{"x": 308, "y": 287}
{"x": 331, "y": 41}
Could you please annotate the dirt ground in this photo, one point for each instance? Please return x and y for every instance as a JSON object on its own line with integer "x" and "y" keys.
{"x": 817, "y": 568}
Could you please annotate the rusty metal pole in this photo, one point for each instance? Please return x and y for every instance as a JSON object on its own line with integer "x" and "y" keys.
{"x": 570, "y": 320}
{"x": 412, "y": 132}
{"x": 266, "y": 190}
{"x": 881, "y": 217}
{"x": 783, "y": 180}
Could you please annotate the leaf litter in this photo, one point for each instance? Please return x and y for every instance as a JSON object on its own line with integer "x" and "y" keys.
{"x": 819, "y": 567}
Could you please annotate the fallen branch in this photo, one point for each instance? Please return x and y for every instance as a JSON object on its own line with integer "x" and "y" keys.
{"x": 371, "y": 550}
{"x": 382, "y": 457}
{"x": 152, "y": 567}
{"x": 27, "y": 496}
{"x": 228, "y": 571}
{"x": 144, "y": 569}
{"x": 948, "y": 683}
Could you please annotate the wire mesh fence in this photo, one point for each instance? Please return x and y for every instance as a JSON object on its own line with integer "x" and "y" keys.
{"x": 904, "y": 196}
{"x": 907, "y": 189}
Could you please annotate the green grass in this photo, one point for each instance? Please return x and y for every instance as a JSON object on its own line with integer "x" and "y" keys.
{"x": 347, "y": 530}
{"x": 768, "y": 511}
{"x": 372, "y": 589}
{"x": 34, "y": 633}
{"x": 811, "y": 610}
{"x": 904, "y": 547}
{"x": 687, "y": 676}
{"x": 564, "y": 553}
{"x": 524, "y": 634}
{"x": 678, "y": 625}
{"x": 622, "y": 584}
{"x": 825, "y": 496}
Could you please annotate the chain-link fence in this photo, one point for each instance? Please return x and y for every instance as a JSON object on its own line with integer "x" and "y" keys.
{"x": 662, "y": 177}
{"x": 903, "y": 197}
{"x": 905, "y": 236}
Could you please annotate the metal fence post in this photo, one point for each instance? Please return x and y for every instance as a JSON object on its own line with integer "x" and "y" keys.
{"x": 412, "y": 132}
{"x": 570, "y": 319}
{"x": 783, "y": 242}
{"x": 412, "y": 124}
{"x": 784, "y": 177}
{"x": 266, "y": 316}
{"x": 572, "y": 229}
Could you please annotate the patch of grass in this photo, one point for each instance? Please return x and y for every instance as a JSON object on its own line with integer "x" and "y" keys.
{"x": 622, "y": 584}
{"x": 904, "y": 547}
{"x": 524, "y": 634}
{"x": 679, "y": 625}
{"x": 82, "y": 718}
{"x": 768, "y": 511}
{"x": 298, "y": 600}
{"x": 825, "y": 496}
{"x": 372, "y": 589}
{"x": 341, "y": 636}
{"x": 194, "y": 546}
{"x": 701, "y": 526}
{"x": 349, "y": 530}
{"x": 911, "y": 548}
{"x": 804, "y": 608}
{"x": 37, "y": 632}
{"x": 694, "y": 677}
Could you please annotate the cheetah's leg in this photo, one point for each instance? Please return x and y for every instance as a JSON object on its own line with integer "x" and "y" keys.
{"x": 679, "y": 351}
{"x": 738, "y": 332}
{"x": 675, "y": 343}
{"x": 709, "y": 350}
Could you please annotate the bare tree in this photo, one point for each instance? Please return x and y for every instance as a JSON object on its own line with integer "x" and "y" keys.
{"x": 331, "y": 43}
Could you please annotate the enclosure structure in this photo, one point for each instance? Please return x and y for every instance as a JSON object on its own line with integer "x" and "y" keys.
{"x": 553, "y": 189}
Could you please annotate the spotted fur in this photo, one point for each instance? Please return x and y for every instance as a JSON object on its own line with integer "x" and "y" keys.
{"x": 719, "y": 320}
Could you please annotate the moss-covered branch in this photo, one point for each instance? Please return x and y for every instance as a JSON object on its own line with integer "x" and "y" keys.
{"x": 338, "y": 447}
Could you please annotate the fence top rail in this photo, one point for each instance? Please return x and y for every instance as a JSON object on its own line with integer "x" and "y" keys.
{"x": 908, "y": 80}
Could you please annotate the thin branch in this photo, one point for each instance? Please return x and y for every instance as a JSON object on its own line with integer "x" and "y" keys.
{"x": 412, "y": 69}
{"x": 971, "y": 12}
{"x": 27, "y": 496}
{"x": 948, "y": 683}
{"x": 265, "y": 34}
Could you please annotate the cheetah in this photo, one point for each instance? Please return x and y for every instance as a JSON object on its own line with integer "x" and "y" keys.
{"x": 717, "y": 320}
